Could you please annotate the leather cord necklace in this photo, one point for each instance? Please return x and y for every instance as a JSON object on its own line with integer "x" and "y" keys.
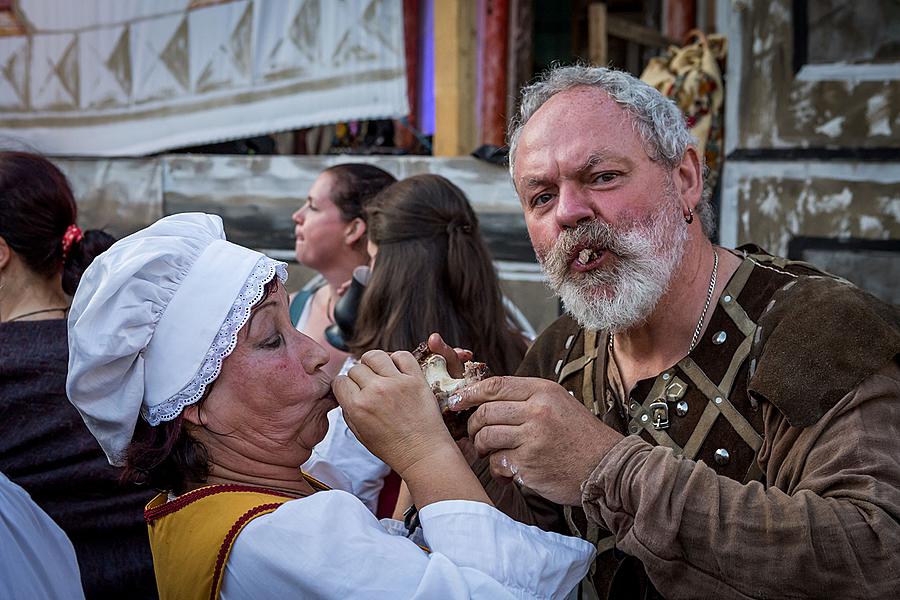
{"x": 64, "y": 309}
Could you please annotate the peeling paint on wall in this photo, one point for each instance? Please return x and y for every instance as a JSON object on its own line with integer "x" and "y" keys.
{"x": 877, "y": 115}
{"x": 775, "y": 210}
{"x": 832, "y": 128}
{"x": 779, "y": 110}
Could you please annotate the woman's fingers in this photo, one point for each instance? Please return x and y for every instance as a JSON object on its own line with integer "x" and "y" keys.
{"x": 380, "y": 362}
{"x": 406, "y": 363}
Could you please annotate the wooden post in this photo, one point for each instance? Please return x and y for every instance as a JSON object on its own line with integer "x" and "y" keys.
{"x": 493, "y": 74}
{"x": 454, "y": 77}
{"x": 680, "y": 16}
{"x": 403, "y": 136}
{"x": 599, "y": 53}
{"x": 520, "y": 63}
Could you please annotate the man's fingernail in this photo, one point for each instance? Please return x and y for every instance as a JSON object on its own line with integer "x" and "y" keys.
{"x": 453, "y": 400}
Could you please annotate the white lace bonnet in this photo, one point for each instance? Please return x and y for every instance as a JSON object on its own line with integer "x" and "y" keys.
{"x": 152, "y": 320}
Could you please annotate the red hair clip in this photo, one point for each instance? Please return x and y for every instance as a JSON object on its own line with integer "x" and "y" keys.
{"x": 73, "y": 234}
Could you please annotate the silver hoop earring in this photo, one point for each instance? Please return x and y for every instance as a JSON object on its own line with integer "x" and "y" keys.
{"x": 690, "y": 216}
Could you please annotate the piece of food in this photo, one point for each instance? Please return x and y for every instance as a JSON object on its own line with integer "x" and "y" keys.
{"x": 443, "y": 385}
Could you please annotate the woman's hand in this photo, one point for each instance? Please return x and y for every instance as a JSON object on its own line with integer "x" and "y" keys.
{"x": 391, "y": 409}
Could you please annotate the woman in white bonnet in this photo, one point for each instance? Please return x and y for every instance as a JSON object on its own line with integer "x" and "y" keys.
{"x": 186, "y": 367}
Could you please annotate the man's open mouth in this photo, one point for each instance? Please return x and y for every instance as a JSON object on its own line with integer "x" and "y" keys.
{"x": 586, "y": 259}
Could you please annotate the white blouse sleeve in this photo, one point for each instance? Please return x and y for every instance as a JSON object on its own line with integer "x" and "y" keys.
{"x": 329, "y": 546}
{"x": 37, "y": 560}
{"x": 343, "y": 463}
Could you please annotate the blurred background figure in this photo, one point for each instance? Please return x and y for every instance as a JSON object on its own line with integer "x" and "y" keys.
{"x": 44, "y": 445}
{"x": 330, "y": 238}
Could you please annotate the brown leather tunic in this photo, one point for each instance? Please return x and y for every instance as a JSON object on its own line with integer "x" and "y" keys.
{"x": 732, "y": 498}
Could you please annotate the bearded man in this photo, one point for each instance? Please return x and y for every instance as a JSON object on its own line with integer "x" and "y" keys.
{"x": 720, "y": 423}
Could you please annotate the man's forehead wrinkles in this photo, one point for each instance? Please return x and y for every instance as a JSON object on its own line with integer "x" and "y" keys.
{"x": 548, "y": 170}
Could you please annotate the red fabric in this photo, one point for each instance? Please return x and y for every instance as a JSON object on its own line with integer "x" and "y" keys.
{"x": 387, "y": 500}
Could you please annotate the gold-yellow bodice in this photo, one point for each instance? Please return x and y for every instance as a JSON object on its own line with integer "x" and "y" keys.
{"x": 192, "y": 535}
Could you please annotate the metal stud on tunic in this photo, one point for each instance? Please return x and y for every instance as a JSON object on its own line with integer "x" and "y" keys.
{"x": 720, "y": 338}
{"x": 681, "y": 408}
{"x": 722, "y": 457}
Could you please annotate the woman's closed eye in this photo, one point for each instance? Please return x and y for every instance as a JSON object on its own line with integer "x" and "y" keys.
{"x": 272, "y": 342}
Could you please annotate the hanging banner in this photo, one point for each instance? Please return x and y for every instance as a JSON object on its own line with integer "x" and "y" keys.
{"x": 132, "y": 77}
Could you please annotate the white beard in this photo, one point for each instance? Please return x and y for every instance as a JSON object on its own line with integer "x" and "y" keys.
{"x": 624, "y": 295}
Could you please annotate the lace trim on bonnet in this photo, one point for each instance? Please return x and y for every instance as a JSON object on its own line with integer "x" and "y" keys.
{"x": 251, "y": 293}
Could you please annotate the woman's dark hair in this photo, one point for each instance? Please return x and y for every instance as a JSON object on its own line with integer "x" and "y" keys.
{"x": 433, "y": 272}
{"x": 166, "y": 456}
{"x": 36, "y": 209}
{"x": 354, "y": 184}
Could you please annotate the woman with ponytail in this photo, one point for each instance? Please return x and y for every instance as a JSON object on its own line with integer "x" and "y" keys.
{"x": 431, "y": 272}
{"x": 44, "y": 446}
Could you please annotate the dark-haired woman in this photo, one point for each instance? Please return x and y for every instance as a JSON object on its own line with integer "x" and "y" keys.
{"x": 432, "y": 272}
{"x": 44, "y": 445}
{"x": 330, "y": 237}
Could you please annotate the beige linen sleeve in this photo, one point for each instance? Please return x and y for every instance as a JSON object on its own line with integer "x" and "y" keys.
{"x": 521, "y": 504}
{"x": 827, "y": 524}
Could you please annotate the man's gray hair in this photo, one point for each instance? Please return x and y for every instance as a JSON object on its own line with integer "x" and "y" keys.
{"x": 655, "y": 118}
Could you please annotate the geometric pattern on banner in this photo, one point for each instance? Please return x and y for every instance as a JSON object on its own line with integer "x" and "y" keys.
{"x": 294, "y": 50}
{"x": 74, "y": 66}
{"x": 108, "y": 82}
{"x": 160, "y": 60}
{"x": 54, "y": 71}
{"x": 361, "y": 42}
{"x": 224, "y": 59}
{"x": 13, "y": 73}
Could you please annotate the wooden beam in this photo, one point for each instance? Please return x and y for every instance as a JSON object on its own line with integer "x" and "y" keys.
{"x": 632, "y": 32}
{"x": 454, "y": 77}
{"x": 597, "y": 32}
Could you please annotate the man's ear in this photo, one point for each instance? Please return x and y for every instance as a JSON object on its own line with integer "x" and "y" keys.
{"x": 355, "y": 231}
{"x": 5, "y": 253}
{"x": 688, "y": 178}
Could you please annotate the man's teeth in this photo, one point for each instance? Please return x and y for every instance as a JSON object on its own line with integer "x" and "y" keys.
{"x": 586, "y": 256}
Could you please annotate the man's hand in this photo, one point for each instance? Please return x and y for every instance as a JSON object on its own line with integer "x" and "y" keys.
{"x": 455, "y": 357}
{"x": 536, "y": 433}
{"x": 390, "y": 408}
